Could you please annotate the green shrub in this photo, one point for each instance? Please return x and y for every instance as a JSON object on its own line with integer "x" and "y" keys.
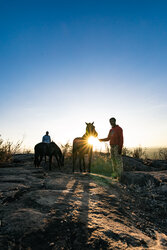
{"x": 102, "y": 180}
{"x": 102, "y": 166}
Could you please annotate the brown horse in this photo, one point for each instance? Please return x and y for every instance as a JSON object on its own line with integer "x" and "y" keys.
{"x": 82, "y": 147}
{"x": 48, "y": 149}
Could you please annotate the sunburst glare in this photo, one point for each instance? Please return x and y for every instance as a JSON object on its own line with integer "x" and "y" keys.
{"x": 97, "y": 145}
{"x": 94, "y": 141}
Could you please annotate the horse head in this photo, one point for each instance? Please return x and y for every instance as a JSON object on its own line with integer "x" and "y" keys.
{"x": 90, "y": 129}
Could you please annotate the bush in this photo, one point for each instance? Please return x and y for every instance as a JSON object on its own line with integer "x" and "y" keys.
{"x": 7, "y": 149}
{"x": 126, "y": 152}
{"x": 67, "y": 150}
{"x": 102, "y": 165}
{"x": 26, "y": 151}
{"x": 162, "y": 153}
{"x": 139, "y": 153}
{"x": 5, "y": 152}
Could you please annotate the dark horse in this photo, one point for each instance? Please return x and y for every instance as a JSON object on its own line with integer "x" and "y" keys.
{"x": 82, "y": 147}
{"x": 48, "y": 149}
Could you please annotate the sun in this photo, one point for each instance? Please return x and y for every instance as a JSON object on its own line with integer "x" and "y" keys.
{"x": 97, "y": 145}
{"x": 94, "y": 141}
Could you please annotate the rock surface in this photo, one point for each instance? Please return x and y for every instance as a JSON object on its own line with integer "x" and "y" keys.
{"x": 61, "y": 210}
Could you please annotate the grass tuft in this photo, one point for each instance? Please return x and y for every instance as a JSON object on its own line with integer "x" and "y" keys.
{"x": 102, "y": 166}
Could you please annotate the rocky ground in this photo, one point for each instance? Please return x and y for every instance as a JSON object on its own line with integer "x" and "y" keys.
{"x": 61, "y": 210}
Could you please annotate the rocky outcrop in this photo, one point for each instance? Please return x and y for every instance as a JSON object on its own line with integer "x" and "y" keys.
{"x": 134, "y": 164}
{"x": 139, "y": 178}
{"x": 42, "y": 209}
{"x": 17, "y": 158}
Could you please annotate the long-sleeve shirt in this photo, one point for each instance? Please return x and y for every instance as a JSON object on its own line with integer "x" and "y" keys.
{"x": 46, "y": 139}
{"x": 115, "y": 136}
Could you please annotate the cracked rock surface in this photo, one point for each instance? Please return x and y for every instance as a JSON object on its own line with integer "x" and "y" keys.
{"x": 61, "y": 210}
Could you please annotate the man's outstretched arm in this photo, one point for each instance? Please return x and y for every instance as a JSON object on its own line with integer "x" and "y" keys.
{"x": 104, "y": 139}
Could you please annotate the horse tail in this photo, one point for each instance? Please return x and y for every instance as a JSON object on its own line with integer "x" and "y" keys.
{"x": 61, "y": 156}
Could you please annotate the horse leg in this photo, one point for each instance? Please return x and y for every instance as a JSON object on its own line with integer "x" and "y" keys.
{"x": 39, "y": 160}
{"x": 84, "y": 164}
{"x": 50, "y": 162}
{"x": 80, "y": 163}
{"x": 74, "y": 160}
{"x": 58, "y": 161}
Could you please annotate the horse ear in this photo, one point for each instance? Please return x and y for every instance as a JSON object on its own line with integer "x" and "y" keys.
{"x": 92, "y": 123}
{"x": 86, "y": 123}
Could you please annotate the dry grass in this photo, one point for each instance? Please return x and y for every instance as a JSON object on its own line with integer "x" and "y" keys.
{"x": 8, "y": 149}
{"x": 67, "y": 149}
{"x": 146, "y": 153}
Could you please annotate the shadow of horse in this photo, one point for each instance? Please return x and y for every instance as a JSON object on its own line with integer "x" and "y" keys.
{"x": 81, "y": 147}
{"x": 48, "y": 149}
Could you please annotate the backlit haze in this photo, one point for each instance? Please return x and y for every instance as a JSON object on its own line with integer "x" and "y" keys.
{"x": 64, "y": 63}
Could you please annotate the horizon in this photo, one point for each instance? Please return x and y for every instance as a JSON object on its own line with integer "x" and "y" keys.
{"x": 67, "y": 63}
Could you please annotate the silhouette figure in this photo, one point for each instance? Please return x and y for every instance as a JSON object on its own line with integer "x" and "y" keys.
{"x": 82, "y": 147}
{"x": 46, "y": 138}
{"x": 50, "y": 149}
{"x": 115, "y": 136}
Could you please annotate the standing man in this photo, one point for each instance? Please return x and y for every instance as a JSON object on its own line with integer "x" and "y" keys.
{"x": 115, "y": 136}
{"x": 46, "y": 138}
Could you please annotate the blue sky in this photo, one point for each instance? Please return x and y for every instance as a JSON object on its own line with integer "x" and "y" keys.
{"x": 64, "y": 63}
